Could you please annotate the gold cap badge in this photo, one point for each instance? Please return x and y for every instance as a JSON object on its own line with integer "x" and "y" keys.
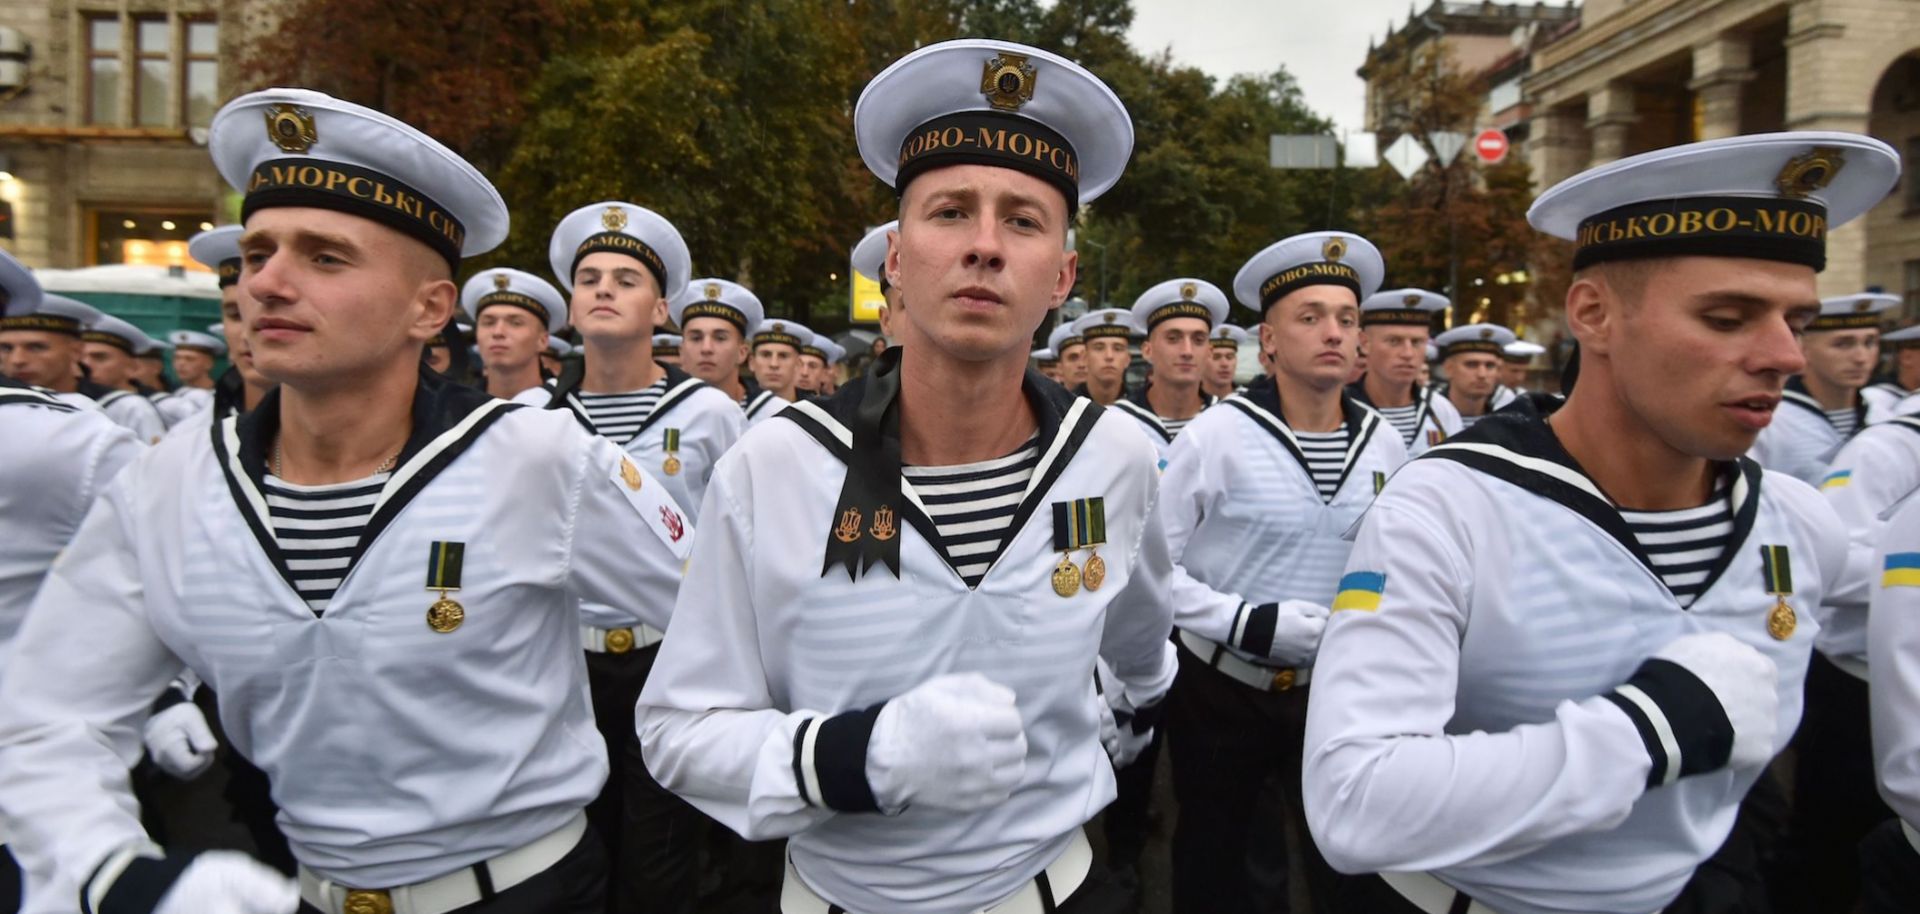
{"x": 1810, "y": 171}
{"x": 1188, "y": 290}
{"x": 1862, "y": 305}
{"x": 501, "y": 281}
{"x": 1486, "y": 333}
{"x": 614, "y": 219}
{"x": 1007, "y": 81}
{"x": 290, "y": 127}
{"x": 1334, "y": 249}
{"x": 1411, "y": 301}
{"x": 713, "y": 291}
{"x": 1111, "y": 318}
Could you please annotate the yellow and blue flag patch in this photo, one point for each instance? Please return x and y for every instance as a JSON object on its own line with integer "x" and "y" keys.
{"x": 1360, "y": 590}
{"x": 1836, "y": 479}
{"x": 1903, "y": 570}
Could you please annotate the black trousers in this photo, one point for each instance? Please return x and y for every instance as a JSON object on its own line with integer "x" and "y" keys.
{"x": 12, "y": 882}
{"x": 575, "y": 885}
{"x": 1889, "y": 872}
{"x": 1835, "y": 798}
{"x": 652, "y": 837}
{"x": 1128, "y": 819}
{"x": 1225, "y": 741}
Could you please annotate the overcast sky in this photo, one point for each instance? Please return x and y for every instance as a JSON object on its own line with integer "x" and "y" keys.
{"x": 1321, "y": 43}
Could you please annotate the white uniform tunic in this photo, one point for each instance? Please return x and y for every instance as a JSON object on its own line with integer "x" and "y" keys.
{"x": 1894, "y": 646}
{"x": 177, "y": 406}
{"x": 1883, "y": 397}
{"x": 135, "y": 412}
{"x": 767, "y": 644}
{"x": 1245, "y": 522}
{"x": 1137, "y": 406}
{"x": 1872, "y": 472}
{"x": 1438, "y": 419}
{"x": 397, "y": 753}
{"x": 1801, "y": 440}
{"x": 1458, "y": 725}
{"x": 763, "y": 405}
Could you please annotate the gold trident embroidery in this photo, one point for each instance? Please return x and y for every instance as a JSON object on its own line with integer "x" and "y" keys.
{"x": 883, "y": 528}
{"x": 849, "y": 528}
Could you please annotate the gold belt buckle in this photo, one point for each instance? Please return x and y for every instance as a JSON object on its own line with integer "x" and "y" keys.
{"x": 1283, "y": 680}
{"x": 368, "y": 901}
{"x": 619, "y": 640}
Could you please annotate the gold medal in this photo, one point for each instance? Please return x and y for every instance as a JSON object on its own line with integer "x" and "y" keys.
{"x": 672, "y": 466}
{"x": 1781, "y": 621}
{"x": 1096, "y": 573}
{"x": 670, "y": 442}
{"x": 445, "y": 614}
{"x": 1066, "y": 578}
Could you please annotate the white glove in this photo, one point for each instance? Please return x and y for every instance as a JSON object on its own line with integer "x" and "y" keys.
{"x": 1296, "y": 626}
{"x": 954, "y": 742}
{"x": 229, "y": 882}
{"x": 1744, "y": 681}
{"x": 180, "y": 741}
{"x": 1123, "y": 745}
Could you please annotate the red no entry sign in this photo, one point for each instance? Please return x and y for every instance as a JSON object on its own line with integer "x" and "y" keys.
{"x": 1491, "y": 146}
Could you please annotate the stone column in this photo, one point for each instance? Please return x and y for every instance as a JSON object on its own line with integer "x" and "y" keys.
{"x": 1610, "y": 118}
{"x": 1820, "y": 55}
{"x": 1722, "y": 66}
{"x": 1557, "y": 146}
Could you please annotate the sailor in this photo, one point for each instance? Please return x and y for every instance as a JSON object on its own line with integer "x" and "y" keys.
{"x": 1903, "y": 371}
{"x": 1256, "y": 496}
{"x": 1396, "y": 327}
{"x": 49, "y": 484}
{"x": 1072, "y": 350}
{"x": 716, "y": 318}
{"x": 241, "y": 387}
{"x": 776, "y": 357}
{"x": 550, "y": 358}
{"x": 917, "y": 711}
{"x": 833, "y": 358}
{"x": 622, "y": 263}
{"x": 1823, "y": 404}
{"x": 513, "y": 314}
{"x": 869, "y": 259}
{"x": 813, "y": 374}
{"x": 1516, "y": 362}
{"x": 1470, "y": 357}
{"x": 1106, "y": 335}
{"x": 1890, "y": 856}
{"x": 196, "y": 351}
{"x": 1569, "y": 640}
{"x": 108, "y": 347}
{"x": 1047, "y": 363}
{"x": 1223, "y": 361}
{"x": 150, "y": 372}
{"x": 666, "y": 348}
{"x": 1178, "y": 316}
{"x": 392, "y": 631}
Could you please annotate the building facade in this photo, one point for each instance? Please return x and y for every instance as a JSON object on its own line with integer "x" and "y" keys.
{"x": 103, "y": 112}
{"x": 1639, "y": 75}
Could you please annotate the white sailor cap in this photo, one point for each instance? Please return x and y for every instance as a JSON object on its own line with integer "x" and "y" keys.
{"x": 1409, "y": 307}
{"x": 218, "y": 329}
{"x": 783, "y": 331}
{"x": 1105, "y": 322}
{"x": 622, "y": 228}
{"x": 1433, "y": 352}
{"x": 53, "y": 314}
{"x": 1901, "y": 338}
{"x": 19, "y": 291}
{"x": 558, "y": 347}
{"x": 1853, "y": 312}
{"x": 832, "y": 352}
{"x": 518, "y": 288}
{"x": 197, "y": 341}
{"x": 1489, "y": 338}
{"x": 729, "y": 301}
{"x": 1521, "y": 352}
{"x": 1315, "y": 258}
{"x": 1227, "y": 336}
{"x": 985, "y": 102}
{"x": 816, "y": 346}
{"x": 666, "y": 344}
{"x": 1063, "y": 338}
{"x": 1044, "y": 356}
{"x": 1770, "y": 196}
{"x": 1186, "y": 297}
{"x": 117, "y": 333}
{"x": 870, "y": 255}
{"x": 297, "y": 147}
{"x": 218, "y": 249}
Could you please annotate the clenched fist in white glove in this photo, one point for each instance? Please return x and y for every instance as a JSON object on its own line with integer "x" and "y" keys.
{"x": 1708, "y": 698}
{"x": 180, "y": 741}
{"x": 214, "y": 882}
{"x": 953, "y": 742}
{"x": 1121, "y": 734}
{"x": 1287, "y": 632}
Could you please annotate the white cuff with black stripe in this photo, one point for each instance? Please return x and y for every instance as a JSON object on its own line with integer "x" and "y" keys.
{"x": 1681, "y": 722}
{"x": 830, "y": 761}
{"x": 132, "y": 880}
{"x": 1253, "y": 628}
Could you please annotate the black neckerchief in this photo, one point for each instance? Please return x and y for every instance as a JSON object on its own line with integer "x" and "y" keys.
{"x": 229, "y": 394}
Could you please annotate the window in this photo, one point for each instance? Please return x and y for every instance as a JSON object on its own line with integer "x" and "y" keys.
{"x": 145, "y": 237}
{"x": 156, "y": 71}
{"x": 202, "y": 96}
{"x": 103, "y": 70}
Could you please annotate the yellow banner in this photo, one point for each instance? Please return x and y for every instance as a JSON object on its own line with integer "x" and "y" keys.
{"x": 867, "y": 300}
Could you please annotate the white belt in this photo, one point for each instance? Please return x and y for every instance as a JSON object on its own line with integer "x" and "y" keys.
{"x": 1063, "y": 877}
{"x": 619, "y": 640}
{"x": 1258, "y": 675}
{"x": 1433, "y": 896}
{"x": 455, "y": 890}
